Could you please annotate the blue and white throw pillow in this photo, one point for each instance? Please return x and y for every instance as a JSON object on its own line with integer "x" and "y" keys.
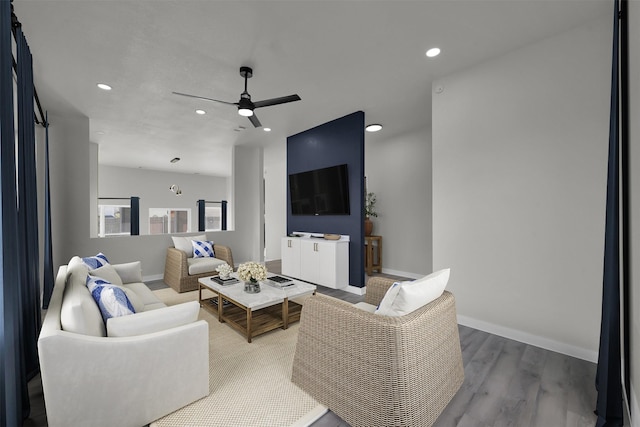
{"x": 93, "y": 262}
{"x": 202, "y": 249}
{"x": 111, "y": 299}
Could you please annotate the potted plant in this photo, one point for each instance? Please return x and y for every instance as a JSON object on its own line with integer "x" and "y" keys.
{"x": 369, "y": 211}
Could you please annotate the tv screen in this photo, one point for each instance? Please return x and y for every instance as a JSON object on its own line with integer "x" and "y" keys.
{"x": 320, "y": 191}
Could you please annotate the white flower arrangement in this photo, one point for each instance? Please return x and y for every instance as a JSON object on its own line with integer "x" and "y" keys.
{"x": 224, "y": 270}
{"x": 252, "y": 272}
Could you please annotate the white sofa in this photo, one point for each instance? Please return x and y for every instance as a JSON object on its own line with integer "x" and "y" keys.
{"x": 157, "y": 363}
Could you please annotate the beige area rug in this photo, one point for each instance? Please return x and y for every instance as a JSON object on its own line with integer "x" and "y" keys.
{"x": 249, "y": 384}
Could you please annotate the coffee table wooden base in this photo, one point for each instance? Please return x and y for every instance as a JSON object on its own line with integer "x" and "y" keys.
{"x": 243, "y": 319}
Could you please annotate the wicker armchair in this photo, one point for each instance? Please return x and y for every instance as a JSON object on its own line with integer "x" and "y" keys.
{"x": 374, "y": 370}
{"x": 176, "y": 270}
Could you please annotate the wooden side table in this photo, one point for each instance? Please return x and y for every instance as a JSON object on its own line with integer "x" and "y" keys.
{"x": 372, "y": 263}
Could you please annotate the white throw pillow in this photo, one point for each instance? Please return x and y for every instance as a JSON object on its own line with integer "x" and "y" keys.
{"x": 153, "y": 321}
{"x": 415, "y": 294}
{"x": 130, "y": 272}
{"x": 184, "y": 243}
{"x": 108, "y": 273}
{"x": 385, "y": 307}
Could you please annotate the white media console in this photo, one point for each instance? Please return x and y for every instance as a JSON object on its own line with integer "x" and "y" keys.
{"x": 317, "y": 260}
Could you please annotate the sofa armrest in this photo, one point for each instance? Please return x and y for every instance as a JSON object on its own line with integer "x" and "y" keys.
{"x": 157, "y": 320}
{"x": 98, "y": 381}
{"x": 376, "y": 360}
{"x": 376, "y": 289}
{"x": 224, "y": 253}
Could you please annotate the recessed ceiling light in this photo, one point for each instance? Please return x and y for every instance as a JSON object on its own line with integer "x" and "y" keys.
{"x": 201, "y": 112}
{"x": 104, "y": 86}
{"x": 434, "y": 51}
{"x": 99, "y": 132}
{"x": 373, "y": 127}
{"x": 266, "y": 129}
{"x": 175, "y": 160}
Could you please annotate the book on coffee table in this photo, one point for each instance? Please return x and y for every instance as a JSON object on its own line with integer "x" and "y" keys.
{"x": 280, "y": 282}
{"x": 227, "y": 281}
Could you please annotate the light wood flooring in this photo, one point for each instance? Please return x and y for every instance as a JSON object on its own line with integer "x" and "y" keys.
{"x": 507, "y": 383}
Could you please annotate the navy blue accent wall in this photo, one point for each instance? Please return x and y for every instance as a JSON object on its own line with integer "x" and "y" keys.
{"x": 334, "y": 143}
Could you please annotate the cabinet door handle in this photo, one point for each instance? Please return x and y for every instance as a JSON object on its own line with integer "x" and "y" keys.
{"x": 289, "y": 243}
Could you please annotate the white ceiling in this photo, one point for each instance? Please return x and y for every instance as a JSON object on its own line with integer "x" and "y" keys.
{"x": 339, "y": 56}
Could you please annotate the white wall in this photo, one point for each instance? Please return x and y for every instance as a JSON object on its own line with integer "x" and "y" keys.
{"x": 275, "y": 203}
{"x": 153, "y": 189}
{"x": 634, "y": 148}
{"x": 71, "y": 164}
{"x": 519, "y": 176}
{"x": 398, "y": 171}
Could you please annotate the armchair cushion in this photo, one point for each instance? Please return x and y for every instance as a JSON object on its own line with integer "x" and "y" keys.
{"x": 184, "y": 243}
{"x": 405, "y": 297}
{"x": 203, "y": 265}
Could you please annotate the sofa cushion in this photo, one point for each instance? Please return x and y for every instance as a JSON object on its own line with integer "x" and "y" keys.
{"x": 79, "y": 313}
{"x": 112, "y": 300}
{"x": 108, "y": 273}
{"x": 93, "y": 262}
{"x": 202, "y": 249}
{"x": 129, "y": 272}
{"x": 203, "y": 265}
{"x": 153, "y": 321}
{"x": 145, "y": 294}
{"x": 184, "y": 243}
{"x": 412, "y": 295}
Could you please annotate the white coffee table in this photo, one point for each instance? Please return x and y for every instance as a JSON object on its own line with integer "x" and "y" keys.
{"x": 254, "y": 314}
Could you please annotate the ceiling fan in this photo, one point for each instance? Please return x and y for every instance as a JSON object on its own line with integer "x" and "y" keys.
{"x": 245, "y": 105}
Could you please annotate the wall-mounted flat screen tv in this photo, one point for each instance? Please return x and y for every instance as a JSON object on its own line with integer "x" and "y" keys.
{"x": 320, "y": 192}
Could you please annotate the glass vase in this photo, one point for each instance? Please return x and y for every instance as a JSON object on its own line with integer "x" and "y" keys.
{"x": 252, "y": 287}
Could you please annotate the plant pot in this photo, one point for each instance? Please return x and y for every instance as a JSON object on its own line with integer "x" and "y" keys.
{"x": 368, "y": 227}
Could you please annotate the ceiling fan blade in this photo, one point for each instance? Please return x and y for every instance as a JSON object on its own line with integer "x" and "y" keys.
{"x": 202, "y": 97}
{"x": 254, "y": 120}
{"x": 276, "y": 101}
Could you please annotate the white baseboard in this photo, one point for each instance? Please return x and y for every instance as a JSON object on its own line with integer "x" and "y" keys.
{"x": 152, "y": 277}
{"x": 355, "y": 290}
{"x": 311, "y": 417}
{"x": 402, "y": 273}
{"x": 634, "y": 408}
{"x": 527, "y": 338}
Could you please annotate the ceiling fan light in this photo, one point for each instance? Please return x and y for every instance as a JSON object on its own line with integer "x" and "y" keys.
{"x": 246, "y": 112}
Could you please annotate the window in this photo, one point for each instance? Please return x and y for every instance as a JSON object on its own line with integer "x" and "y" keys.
{"x": 169, "y": 221}
{"x": 212, "y": 218}
{"x": 114, "y": 220}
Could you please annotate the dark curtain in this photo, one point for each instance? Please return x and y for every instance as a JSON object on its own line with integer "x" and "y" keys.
{"x": 201, "y": 215}
{"x": 135, "y": 216}
{"x": 12, "y": 371}
{"x": 28, "y": 208}
{"x": 48, "y": 246}
{"x": 223, "y": 204}
{"x": 608, "y": 375}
